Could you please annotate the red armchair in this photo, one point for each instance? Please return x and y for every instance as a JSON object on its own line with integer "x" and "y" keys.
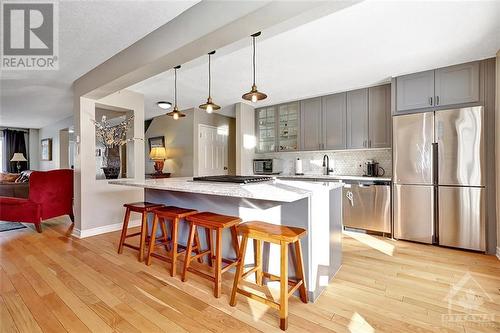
{"x": 50, "y": 195}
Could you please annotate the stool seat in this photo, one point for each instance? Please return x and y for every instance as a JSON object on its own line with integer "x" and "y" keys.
{"x": 271, "y": 232}
{"x": 142, "y": 206}
{"x": 174, "y": 212}
{"x": 213, "y": 220}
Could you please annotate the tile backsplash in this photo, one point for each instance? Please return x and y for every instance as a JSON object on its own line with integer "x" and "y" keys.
{"x": 348, "y": 162}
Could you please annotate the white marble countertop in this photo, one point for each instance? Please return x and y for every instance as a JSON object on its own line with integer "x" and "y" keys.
{"x": 333, "y": 177}
{"x": 276, "y": 190}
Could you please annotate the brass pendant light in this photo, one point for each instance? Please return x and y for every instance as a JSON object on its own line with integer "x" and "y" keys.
{"x": 209, "y": 106}
{"x": 176, "y": 114}
{"x": 254, "y": 95}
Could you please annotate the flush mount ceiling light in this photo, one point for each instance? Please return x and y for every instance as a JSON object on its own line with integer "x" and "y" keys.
{"x": 176, "y": 114}
{"x": 254, "y": 95}
{"x": 209, "y": 106}
{"x": 164, "y": 105}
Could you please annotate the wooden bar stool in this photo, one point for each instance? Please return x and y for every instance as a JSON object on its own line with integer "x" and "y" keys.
{"x": 212, "y": 222}
{"x": 139, "y": 207}
{"x": 174, "y": 215}
{"x": 283, "y": 236}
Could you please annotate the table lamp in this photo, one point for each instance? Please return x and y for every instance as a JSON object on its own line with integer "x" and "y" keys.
{"x": 158, "y": 154}
{"x": 18, "y": 157}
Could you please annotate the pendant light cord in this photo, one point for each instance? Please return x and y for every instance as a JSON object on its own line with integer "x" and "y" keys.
{"x": 175, "y": 86}
{"x": 209, "y": 76}
{"x": 253, "y": 40}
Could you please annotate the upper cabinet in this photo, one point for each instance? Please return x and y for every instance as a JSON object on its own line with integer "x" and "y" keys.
{"x": 357, "y": 119}
{"x": 352, "y": 120}
{"x": 310, "y": 124}
{"x": 415, "y": 91}
{"x": 438, "y": 88}
{"x": 334, "y": 112}
{"x": 457, "y": 84}
{"x": 288, "y": 126}
{"x": 266, "y": 129}
{"x": 379, "y": 116}
{"x": 277, "y": 127}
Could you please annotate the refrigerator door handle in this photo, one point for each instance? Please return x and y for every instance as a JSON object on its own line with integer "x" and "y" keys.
{"x": 435, "y": 166}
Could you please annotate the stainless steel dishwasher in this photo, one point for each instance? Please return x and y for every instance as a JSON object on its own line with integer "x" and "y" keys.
{"x": 367, "y": 205}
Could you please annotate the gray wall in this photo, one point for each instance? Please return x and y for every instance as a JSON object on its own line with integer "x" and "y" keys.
{"x": 178, "y": 141}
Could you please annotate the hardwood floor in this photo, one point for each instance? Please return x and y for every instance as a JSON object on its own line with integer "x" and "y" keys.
{"x": 51, "y": 282}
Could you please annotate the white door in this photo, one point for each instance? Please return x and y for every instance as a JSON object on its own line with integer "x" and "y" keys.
{"x": 212, "y": 150}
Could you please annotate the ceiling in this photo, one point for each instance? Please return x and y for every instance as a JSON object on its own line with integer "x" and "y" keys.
{"x": 90, "y": 32}
{"x": 359, "y": 46}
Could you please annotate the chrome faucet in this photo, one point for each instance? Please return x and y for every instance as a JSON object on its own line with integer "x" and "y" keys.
{"x": 326, "y": 164}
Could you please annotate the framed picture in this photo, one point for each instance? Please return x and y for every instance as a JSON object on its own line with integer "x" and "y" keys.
{"x": 46, "y": 151}
{"x": 157, "y": 141}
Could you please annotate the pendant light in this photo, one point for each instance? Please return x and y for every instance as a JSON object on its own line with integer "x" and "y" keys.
{"x": 209, "y": 106}
{"x": 176, "y": 114}
{"x": 254, "y": 95}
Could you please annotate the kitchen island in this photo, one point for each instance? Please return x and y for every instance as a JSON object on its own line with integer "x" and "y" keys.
{"x": 316, "y": 207}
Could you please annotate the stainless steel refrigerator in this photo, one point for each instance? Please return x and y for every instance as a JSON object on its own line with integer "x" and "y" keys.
{"x": 439, "y": 185}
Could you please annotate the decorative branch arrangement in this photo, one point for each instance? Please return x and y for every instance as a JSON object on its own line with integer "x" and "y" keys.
{"x": 113, "y": 135}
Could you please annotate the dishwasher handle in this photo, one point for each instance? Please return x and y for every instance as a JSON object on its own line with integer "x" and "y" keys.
{"x": 350, "y": 197}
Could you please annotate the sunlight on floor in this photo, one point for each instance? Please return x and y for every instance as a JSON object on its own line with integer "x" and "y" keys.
{"x": 358, "y": 324}
{"x": 373, "y": 242}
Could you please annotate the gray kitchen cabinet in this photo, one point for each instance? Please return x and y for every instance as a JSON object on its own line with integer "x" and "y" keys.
{"x": 415, "y": 91}
{"x": 288, "y": 126}
{"x": 265, "y": 119}
{"x": 334, "y": 121}
{"x": 457, "y": 84}
{"x": 310, "y": 124}
{"x": 357, "y": 119}
{"x": 379, "y": 116}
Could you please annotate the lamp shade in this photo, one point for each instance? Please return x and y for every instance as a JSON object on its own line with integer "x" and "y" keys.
{"x": 158, "y": 153}
{"x": 18, "y": 157}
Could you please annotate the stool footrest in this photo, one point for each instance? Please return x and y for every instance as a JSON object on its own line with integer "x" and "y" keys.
{"x": 261, "y": 299}
{"x": 199, "y": 255}
{"x": 273, "y": 277}
{"x": 226, "y": 268}
{"x": 133, "y": 235}
{"x": 294, "y": 288}
{"x": 132, "y": 246}
{"x": 251, "y": 271}
{"x": 203, "y": 275}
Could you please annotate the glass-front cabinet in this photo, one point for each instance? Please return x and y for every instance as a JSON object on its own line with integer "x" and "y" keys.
{"x": 266, "y": 128}
{"x": 278, "y": 127}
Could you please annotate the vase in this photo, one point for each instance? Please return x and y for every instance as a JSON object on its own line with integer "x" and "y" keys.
{"x": 111, "y": 162}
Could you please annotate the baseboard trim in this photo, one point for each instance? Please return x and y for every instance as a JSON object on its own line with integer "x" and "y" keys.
{"x": 498, "y": 252}
{"x": 104, "y": 229}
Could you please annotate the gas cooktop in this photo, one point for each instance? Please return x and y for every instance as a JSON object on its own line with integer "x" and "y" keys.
{"x": 233, "y": 179}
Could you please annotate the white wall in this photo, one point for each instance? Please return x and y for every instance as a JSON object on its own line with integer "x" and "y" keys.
{"x": 245, "y": 138}
{"x": 52, "y": 132}
{"x": 99, "y": 205}
{"x": 178, "y": 141}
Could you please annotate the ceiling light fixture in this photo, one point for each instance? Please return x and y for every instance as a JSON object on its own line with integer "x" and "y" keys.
{"x": 209, "y": 106}
{"x": 176, "y": 114}
{"x": 164, "y": 105}
{"x": 254, "y": 95}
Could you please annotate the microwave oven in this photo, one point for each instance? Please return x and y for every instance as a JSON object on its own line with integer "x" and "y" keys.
{"x": 267, "y": 166}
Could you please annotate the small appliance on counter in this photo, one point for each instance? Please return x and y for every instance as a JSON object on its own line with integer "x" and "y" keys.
{"x": 267, "y": 166}
{"x": 373, "y": 169}
{"x": 298, "y": 167}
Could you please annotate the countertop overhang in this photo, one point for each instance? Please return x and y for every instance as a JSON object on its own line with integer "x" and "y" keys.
{"x": 276, "y": 190}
